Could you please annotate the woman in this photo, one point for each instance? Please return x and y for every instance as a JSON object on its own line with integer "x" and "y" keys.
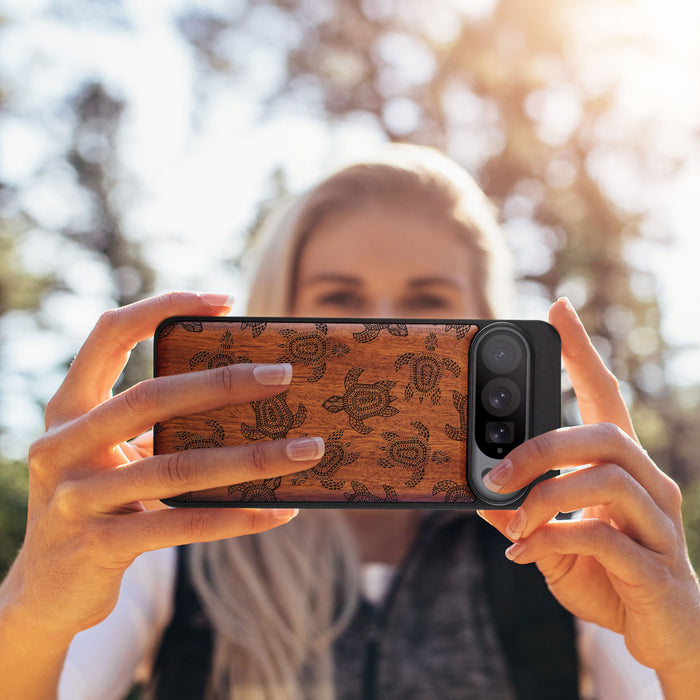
{"x": 411, "y": 236}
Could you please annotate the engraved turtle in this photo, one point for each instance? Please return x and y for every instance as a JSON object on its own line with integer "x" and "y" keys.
{"x": 256, "y": 327}
{"x": 372, "y": 330}
{"x": 311, "y": 348}
{"x": 273, "y": 418}
{"x": 168, "y": 327}
{"x": 335, "y": 457}
{"x": 454, "y": 492}
{"x": 220, "y": 357}
{"x": 183, "y": 497}
{"x": 462, "y": 330}
{"x": 361, "y": 494}
{"x": 363, "y": 401}
{"x": 460, "y": 403}
{"x": 425, "y": 371}
{"x": 411, "y": 452}
{"x": 256, "y": 491}
{"x": 194, "y": 441}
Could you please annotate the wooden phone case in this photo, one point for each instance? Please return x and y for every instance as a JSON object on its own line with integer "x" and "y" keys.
{"x": 389, "y": 398}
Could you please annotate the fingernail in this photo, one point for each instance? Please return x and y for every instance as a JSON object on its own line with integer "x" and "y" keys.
{"x": 305, "y": 448}
{"x": 218, "y": 299}
{"x": 499, "y": 476}
{"x": 569, "y": 306}
{"x": 273, "y": 375}
{"x": 515, "y": 550}
{"x": 517, "y": 525}
{"x": 285, "y": 514}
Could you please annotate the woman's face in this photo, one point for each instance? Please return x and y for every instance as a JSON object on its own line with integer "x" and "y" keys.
{"x": 387, "y": 262}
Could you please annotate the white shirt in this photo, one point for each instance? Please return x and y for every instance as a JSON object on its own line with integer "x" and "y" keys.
{"x": 104, "y": 661}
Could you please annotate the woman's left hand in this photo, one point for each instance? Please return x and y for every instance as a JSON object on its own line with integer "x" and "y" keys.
{"x": 624, "y": 563}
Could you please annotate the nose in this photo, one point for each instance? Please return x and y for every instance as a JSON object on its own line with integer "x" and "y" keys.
{"x": 383, "y": 308}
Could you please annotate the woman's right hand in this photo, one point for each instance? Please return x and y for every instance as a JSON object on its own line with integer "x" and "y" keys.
{"x": 87, "y": 518}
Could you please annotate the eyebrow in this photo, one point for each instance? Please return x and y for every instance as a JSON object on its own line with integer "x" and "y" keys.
{"x": 433, "y": 281}
{"x": 333, "y": 277}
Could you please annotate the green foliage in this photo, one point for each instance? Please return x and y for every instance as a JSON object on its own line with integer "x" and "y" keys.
{"x": 14, "y": 484}
{"x": 691, "y": 521}
{"x": 19, "y": 291}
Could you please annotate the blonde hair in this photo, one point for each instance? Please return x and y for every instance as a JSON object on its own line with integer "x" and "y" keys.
{"x": 277, "y": 600}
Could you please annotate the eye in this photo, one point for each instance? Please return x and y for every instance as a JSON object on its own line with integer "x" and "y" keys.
{"x": 427, "y": 302}
{"x": 341, "y": 299}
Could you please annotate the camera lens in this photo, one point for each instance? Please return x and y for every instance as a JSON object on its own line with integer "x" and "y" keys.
{"x": 500, "y": 396}
{"x": 499, "y": 432}
{"x": 502, "y": 353}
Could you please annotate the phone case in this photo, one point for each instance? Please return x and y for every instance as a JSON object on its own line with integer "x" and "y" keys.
{"x": 389, "y": 397}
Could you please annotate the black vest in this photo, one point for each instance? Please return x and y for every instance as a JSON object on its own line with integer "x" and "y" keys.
{"x": 534, "y": 634}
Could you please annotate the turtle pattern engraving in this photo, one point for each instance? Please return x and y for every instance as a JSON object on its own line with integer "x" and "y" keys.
{"x": 372, "y": 330}
{"x": 361, "y": 494}
{"x": 460, "y": 403}
{"x": 335, "y": 457}
{"x": 191, "y": 326}
{"x": 195, "y": 441}
{"x": 454, "y": 492}
{"x": 412, "y": 453}
{"x": 425, "y": 371}
{"x": 220, "y": 357}
{"x": 311, "y": 348}
{"x": 256, "y": 491}
{"x": 183, "y": 497}
{"x": 363, "y": 401}
{"x": 256, "y": 327}
{"x": 273, "y": 418}
{"x": 461, "y": 330}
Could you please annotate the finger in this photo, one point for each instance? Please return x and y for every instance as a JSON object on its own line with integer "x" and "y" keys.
{"x": 105, "y": 352}
{"x": 579, "y": 445}
{"x": 156, "y": 529}
{"x": 614, "y": 550}
{"x": 606, "y": 486}
{"x": 143, "y": 444}
{"x": 596, "y": 388}
{"x": 162, "y": 398}
{"x": 497, "y": 518}
{"x": 165, "y": 476}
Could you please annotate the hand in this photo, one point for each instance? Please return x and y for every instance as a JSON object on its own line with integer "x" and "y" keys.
{"x": 624, "y": 564}
{"x": 87, "y": 518}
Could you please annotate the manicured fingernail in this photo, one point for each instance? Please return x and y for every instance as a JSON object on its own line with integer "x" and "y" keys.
{"x": 285, "y": 514}
{"x": 273, "y": 375}
{"x": 218, "y": 299}
{"x": 303, "y": 449}
{"x": 517, "y": 525}
{"x": 515, "y": 550}
{"x": 499, "y": 476}
{"x": 569, "y": 306}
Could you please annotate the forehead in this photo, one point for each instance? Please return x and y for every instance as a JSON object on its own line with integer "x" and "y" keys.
{"x": 384, "y": 239}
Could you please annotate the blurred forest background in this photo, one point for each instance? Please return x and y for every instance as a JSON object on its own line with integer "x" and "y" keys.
{"x": 580, "y": 119}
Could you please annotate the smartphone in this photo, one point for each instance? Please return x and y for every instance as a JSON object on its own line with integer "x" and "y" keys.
{"x": 414, "y": 413}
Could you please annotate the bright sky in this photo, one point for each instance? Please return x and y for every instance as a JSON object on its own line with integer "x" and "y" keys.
{"x": 200, "y": 184}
